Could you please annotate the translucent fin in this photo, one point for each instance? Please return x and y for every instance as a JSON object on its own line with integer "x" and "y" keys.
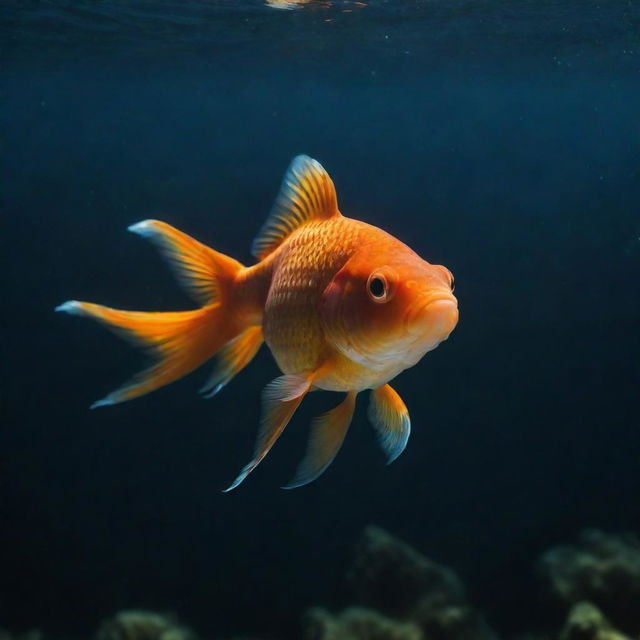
{"x": 280, "y": 399}
{"x": 180, "y": 341}
{"x": 390, "y": 418}
{"x": 327, "y": 434}
{"x": 232, "y": 358}
{"x": 199, "y": 269}
{"x": 306, "y": 193}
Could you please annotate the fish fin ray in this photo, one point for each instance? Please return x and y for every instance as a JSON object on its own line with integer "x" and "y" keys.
{"x": 200, "y": 270}
{"x": 307, "y": 193}
{"x": 390, "y": 418}
{"x": 178, "y": 341}
{"x": 280, "y": 399}
{"x": 327, "y": 435}
{"x": 232, "y": 358}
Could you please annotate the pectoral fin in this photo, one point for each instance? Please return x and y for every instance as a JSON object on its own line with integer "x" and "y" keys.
{"x": 327, "y": 434}
{"x": 390, "y": 418}
{"x": 280, "y": 399}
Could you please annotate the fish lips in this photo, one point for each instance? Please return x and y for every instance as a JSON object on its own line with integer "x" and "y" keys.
{"x": 432, "y": 321}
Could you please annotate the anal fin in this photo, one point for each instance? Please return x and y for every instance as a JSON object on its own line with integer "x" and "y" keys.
{"x": 327, "y": 434}
{"x": 280, "y": 399}
{"x": 390, "y": 418}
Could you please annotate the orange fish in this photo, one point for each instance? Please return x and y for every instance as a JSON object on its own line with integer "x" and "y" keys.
{"x": 343, "y": 306}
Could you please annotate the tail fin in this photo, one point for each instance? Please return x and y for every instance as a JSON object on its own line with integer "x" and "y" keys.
{"x": 179, "y": 341}
{"x": 204, "y": 273}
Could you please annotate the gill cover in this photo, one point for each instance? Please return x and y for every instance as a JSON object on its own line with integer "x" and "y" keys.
{"x": 359, "y": 310}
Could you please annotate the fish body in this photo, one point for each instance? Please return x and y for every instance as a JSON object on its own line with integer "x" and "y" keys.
{"x": 305, "y": 265}
{"x": 342, "y": 305}
{"x": 302, "y": 325}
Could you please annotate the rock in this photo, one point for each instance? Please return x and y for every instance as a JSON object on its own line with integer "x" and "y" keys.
{"x": 357, "y": 624}
{"x": 603, "y": 569}
{"x": 446, "y": 621}
{"x": 586, "y": 622}
{"x": 392, "y": 577}
{"x": 142, "y": 625}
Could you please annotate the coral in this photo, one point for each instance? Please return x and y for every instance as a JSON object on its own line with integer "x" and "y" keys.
{"x": 404, "y": 595}
{"x": 357, "y": 624}
{"x": 446, "y": 621}
{"x": 586, "y": 622}
{"x": 392, "y": 577}
{"x": 142, "y": 625}
{"x": 603, "y": 569}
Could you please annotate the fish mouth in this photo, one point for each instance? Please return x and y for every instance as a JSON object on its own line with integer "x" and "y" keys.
{"x": 433, "y": 320}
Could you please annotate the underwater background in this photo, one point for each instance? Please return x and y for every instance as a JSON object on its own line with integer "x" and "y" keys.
{"x": 501, "y": 139}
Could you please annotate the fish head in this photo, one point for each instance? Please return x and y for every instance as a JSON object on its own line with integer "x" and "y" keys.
{"x": 387, "y": 307}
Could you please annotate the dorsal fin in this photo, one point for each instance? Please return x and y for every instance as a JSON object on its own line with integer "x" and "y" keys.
{"x": 307, "y": 193}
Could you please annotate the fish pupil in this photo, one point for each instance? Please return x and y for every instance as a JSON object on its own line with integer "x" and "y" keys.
{"x": 376, "y": 287}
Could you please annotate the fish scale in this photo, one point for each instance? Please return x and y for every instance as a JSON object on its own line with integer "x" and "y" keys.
{"x": 305, "y": 265}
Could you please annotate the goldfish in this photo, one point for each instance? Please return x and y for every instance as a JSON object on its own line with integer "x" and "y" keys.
{"x": 342, "y": 305}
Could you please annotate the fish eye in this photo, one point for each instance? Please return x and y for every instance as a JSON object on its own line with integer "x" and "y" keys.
{"x": 377, "y": 287}
{"x": 453, "y": 284}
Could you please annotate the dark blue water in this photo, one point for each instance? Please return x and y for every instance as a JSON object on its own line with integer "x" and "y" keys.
{"x": 501, "y": 139}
